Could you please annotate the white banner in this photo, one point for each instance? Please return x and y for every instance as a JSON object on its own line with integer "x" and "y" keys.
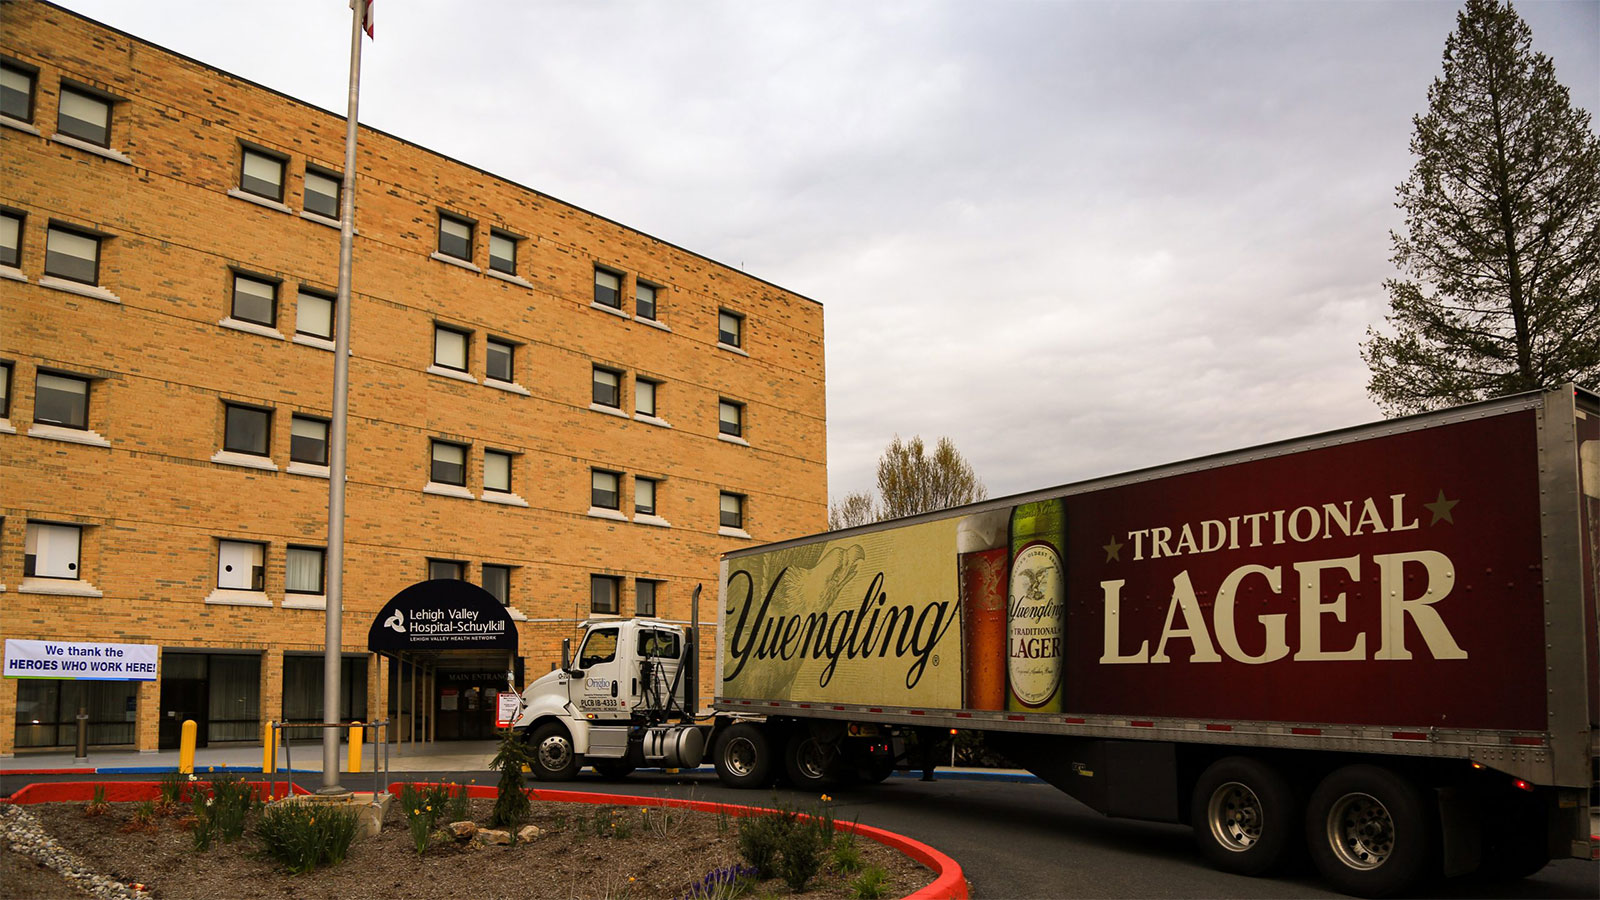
{"x": 82, "y": 661}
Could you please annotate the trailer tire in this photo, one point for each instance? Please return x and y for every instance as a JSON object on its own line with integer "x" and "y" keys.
{"x": 808, "y": 763}
{"x": 1245, "y": 816}
{"x": 1370, "y": 832}
{"x": 551, "y": 757}
{"x": 743, "y": 756}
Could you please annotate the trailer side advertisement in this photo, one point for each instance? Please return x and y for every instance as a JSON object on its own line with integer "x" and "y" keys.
{"x": 1304, "y": 587}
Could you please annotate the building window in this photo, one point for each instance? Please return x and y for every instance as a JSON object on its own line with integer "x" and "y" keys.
{"x": 502, "y": 252}
{"x": 732, "y": 510}
{"x": 16, "y": 91}
{"x": 84, "y": 116}
{"x": 261, "y": 173}
{"x": 71, "y": 254}
{"x": 455, "y": 237}
{"x": 450, "y": 348}
{"x": 644, "y": 300}
{"x": 604, "y": 491}
{"x": 730, "y": 418}
{"x": 313, "y": 315}
{"x": 644, "y": 397}
{"x": 644, "y": 597}
{"x": 61, "y": 400}
{"x": 500, "y": 360}
{"x": 447, "y": 569}
{"x": 449, "y": 463}
{"x": 241, "y": 566}
{"x": 5, "y": 390}
{"x": 10, "y": 238}
{"x": 51, "y": 551}
{"x": 303, "y": 574}
{"x": 607, "y": 288}
{"x": 322, "y": 192}
{"x": 644, "y": 496}
{"x": 246, "y": 429}
{"x": 255, "y": 300}
{"x": 730, "y": 329}
{"x": 497, "y": 471}
{"x": 607, "y": 387}
{"x": 308, "y": 440}
{"x": 497, "y": 581}
{"x": 603, "y": 591}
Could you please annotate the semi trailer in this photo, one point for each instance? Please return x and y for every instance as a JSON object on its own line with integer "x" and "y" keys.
{"x": 1376, "y": 646}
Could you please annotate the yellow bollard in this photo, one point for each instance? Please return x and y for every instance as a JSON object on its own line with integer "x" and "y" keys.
{"x": 269, "y": 750}
{"x": 357, "y": 735}
{"x": 186, "y": 748}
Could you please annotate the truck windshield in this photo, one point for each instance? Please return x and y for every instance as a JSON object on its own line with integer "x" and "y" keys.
{"x": 659, "y": 644}
{"x": 599, "y": 647}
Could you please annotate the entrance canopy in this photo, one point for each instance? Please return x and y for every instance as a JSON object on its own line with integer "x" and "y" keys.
{"x": 443, "y": 614}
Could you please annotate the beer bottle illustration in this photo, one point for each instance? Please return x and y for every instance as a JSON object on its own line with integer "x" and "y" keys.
{"x": 983, "y": 553}
{"x": 1036, "y": 610}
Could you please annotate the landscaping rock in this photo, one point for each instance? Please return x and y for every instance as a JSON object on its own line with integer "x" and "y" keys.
{"x": 462, "y": 831}
{"x": 529, "y": 832}
{"x": 490, "y": 836}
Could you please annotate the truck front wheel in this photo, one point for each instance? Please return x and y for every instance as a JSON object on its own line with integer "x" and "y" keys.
{"x": 551, "y": 755}
{"x": 1244, "y": 815}
{"x": 1369, "y": 831}
{"x": 743, "y": 757}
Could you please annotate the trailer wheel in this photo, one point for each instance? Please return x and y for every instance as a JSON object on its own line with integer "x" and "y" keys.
{"x": 743, "y": 757}
{"x": 808, "y": 764}
{"x": 1369, "y": 831}
{"x": 1245, "y": 816}
{"x": 552, "y": 756}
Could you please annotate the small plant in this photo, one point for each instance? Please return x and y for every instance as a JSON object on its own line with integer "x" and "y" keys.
{"x": 143, "y": 819}
{"x": 97, "y": 805}
{"x": 847, "y": 858}
{"x": 760, "y": 839}
{"x": 303, "y": 836}
{"x": 656, "y": 822}
{"x": 511, "y": 804}
{"x": 220, "y": 808}
{"x": 417, "y": 806}
{"x": 171, "y": 791}
{"x": 872, "y": 884}
{"x": 460, "y": 803}
{"x": 725, "y": 883}
{"x": 800, "y": 857}
{"x": 722, "y": 821}
{"x": 621, "y": 825}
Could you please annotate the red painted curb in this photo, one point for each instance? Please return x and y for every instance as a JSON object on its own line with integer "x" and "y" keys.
{"x": 116, "y": 791}
{"x": 949, "y": 885}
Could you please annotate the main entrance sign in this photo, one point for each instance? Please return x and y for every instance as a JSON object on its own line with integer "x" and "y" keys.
{"x": 443, "y": 614}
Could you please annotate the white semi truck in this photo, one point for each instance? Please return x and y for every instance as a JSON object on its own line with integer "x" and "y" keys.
{"x": 1377, "y": 644}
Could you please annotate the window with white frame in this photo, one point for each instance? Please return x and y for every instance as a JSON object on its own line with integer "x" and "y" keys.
{"x": 450, "y": 348}
{"x": 448, "y": 569}
{"x": 730, "y": 418}
{"x": 644, "y": 596}
{"x": 604, "y": 489}
{"x": 254, "y": 300}
{"x": 644, "y": 396}
{"x": 497, "y": 581}
{"x": 246, "y": 429}
{"x": 241, "y": 566}
{"x": 455, "y": 237}
{"x": 502, "y": 251}
{"x": 308, "y": 440}
{"x": 51, "y": 550}
{"x": 85, "y": 116}
{"x": 16, "y": 90}
{"x": 607, "y": 288}
{"x": 607, "y": 387}
{"x": 60, "y": 399}
{"x": 303, "y": 570}
{"x": 730, "y": 329}
{"x": 11, "y": 238}
{"x": 322, "y": 192}
{"x": 644, "y": 300}
{"x": 72, "y": 254}
{"x": 313, "y": 315}
{"x": 449, "y": 465}
{"x": 500, "y": 360}
{"x": 497, "y": 471}
{"x": 261, "y": 173}
{"x": 604, "y": 591}
{"x": 732, "y": 508}
{"x": 644, "y": 496}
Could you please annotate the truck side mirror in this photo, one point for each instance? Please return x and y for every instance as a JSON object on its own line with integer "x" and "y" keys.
{"x": 566, "y": 655}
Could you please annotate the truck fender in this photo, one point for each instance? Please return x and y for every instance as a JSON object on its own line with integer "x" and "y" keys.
{"x": 544, "y": 708}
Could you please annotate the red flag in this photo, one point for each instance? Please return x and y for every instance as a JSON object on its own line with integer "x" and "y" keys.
{"x": 366, "y": 20}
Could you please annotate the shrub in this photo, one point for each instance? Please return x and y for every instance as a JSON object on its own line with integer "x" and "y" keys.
{"x": 303, "y": 836}
{"x": 511, "y": 805}
{"x": 800, "y": 857}
{"x": 870, "y": 885}
{"x": 219, "y": 809}
{"x": 760, "y": 838}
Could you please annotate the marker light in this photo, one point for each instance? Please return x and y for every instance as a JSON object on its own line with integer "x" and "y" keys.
{"x": 1523, "y": 785}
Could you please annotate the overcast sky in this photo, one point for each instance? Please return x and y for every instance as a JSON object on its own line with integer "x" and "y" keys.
{"x": 1074, "y": 237}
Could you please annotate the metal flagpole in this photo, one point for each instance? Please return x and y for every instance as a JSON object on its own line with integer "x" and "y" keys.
{"x": 331, "y": 669}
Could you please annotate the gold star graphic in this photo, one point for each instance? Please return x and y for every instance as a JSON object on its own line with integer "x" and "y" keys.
{"x": 1441, "y": 509}
{"x": 1113, "y": 550}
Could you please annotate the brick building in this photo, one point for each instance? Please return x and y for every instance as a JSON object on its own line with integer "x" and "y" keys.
{"x": 573, "y": 414}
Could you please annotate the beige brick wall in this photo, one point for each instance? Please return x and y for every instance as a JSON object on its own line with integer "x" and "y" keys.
{"x": 155, "y": 504}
